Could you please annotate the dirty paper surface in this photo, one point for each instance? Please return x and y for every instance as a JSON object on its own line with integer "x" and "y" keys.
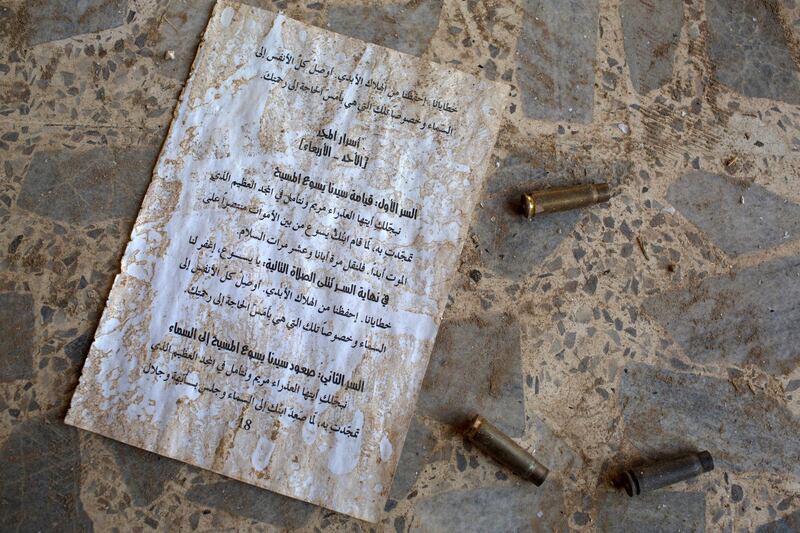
{"x": 286, "y": 276}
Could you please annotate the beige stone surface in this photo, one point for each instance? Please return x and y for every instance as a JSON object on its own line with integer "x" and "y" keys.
{"x": 560, "y": 329}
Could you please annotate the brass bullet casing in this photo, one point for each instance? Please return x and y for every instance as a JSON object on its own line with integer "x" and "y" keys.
{"x": 663, "y": 473}
{"x": 564, "y": 198}
{"x": 505, "y": 451}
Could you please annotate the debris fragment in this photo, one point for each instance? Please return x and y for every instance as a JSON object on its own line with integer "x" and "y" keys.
{"x": 640, "y": 242}
{"x": 169, "y": 54}
{"x": 623, "y": 128}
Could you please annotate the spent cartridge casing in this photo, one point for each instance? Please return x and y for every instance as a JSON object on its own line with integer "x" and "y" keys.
{"x": 500, "y": 447}
{"x": 564, "y": 198}
{"x": 663, "y": 473}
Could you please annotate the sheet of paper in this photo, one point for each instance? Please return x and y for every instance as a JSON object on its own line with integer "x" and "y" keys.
{"x": 284, "y": 282}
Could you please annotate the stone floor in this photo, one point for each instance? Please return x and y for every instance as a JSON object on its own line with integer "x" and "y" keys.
{"x": 665, "y": 321}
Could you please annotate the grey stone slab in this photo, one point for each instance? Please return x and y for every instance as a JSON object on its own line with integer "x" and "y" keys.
{"x": 241, "y": 499}
{"x": 180, "y": 31}
{"x": 651, "y": 31}
{"x": 51, "y": 21}
{"x": 669, "y": 412}
{"x": 749, "y": 317}
{"x": 556, "y": 50}
{"x": 552, "y": 450}
{"x": 475, "y": 368}
{"x": 713, "y": 204}
{"x": 513, "y": 246}
{"x": 417, "y": 451}
{"x": 787, "y": 524}
{"x": 144, "y": 473}
{"x": 510, "y": 244}
{"x": 78, "y": 348}
{"x": 656, "y": 512}
{"x": 17, "y": 319}
{"x": 81, "y": 187}
{"x": 496, "y": 509}
{"x": 748, "y": 46}
{"x": 406, "y": 27}
{"x": 39, "y": 485}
